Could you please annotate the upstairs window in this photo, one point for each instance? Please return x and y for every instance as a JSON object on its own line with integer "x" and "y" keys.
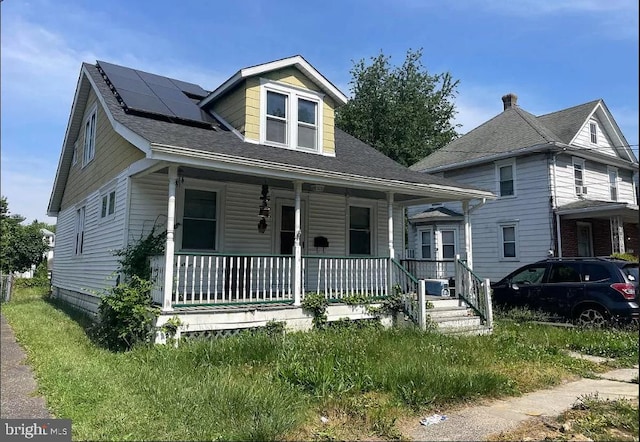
{"x": 593, "y": 131}
{"x": 291, "y": 117}
{"x": 505, "y": 174}
{"x": 613, "y": 183}
{"x": 578, "y": 176}
{"x": 108, "y": 204}
{"x": 89, "y": 137}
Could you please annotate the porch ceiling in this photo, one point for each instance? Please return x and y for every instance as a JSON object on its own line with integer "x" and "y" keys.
{"x": 599, "y": 209}
{"x": 274, "y": 182}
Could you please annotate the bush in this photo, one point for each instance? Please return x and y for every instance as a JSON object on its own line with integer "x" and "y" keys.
{"x": 625, "y": 257}
{"x": 126, "y": 316}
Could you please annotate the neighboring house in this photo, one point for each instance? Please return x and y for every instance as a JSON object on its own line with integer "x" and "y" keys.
{"x": 567, "y": 185}
{"x": 262, "y": 197}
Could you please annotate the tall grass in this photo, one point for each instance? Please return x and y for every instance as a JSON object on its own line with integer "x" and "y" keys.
{"x": 255, "y": 386}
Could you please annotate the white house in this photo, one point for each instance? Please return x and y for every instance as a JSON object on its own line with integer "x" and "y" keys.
{"x": 567, "y": 185}
{"x": 263, "y": 199}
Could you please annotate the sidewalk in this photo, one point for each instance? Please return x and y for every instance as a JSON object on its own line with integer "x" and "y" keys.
{"x": 17, "y": 384}
{"x": 478, "y": 422}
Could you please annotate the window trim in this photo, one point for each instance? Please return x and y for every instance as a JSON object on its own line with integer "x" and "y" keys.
{"x": 579, "y": 161}
{"x": 372, "y": 226}
{"x": 293, "y": 94}
{"x": 500, "y": 164}
{"x": 206, "y": 186}
{"x": 593, "y": 131}
{"x": 431, "y": 231}
{"x": 440, "y": 245}
{"x": 501, "y": 241}
{"x": 613, "y": 187}
{"x": 89, "y": 150}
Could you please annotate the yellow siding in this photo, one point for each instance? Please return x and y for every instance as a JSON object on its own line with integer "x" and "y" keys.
{"x": 241, "y": 108}
{"x": 113, "y": 154}
{"x": 231, "y": 107}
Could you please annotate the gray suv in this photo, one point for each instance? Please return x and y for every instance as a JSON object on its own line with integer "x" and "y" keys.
{"x": 587, "y": 291}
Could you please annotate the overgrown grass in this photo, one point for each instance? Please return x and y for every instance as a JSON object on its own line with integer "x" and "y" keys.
{"x": 260, "y": 386}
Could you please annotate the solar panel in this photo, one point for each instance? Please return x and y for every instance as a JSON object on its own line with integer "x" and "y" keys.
{"x": 151, "y": 93}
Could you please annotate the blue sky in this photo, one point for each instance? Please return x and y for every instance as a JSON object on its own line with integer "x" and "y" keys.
{"x": 552, "y": 53}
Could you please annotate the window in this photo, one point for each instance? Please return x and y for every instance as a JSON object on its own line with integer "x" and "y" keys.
{"x": 79, "y": 243}
{"x": 564, "y": 272}
{"x": 89, "y": 137}
{"x": 613, "y": 183}
{"x": 593, "y": 131}
{"x": 74, "y": 159}
{"x": 529, "y": 275}
{"x": 506, "y": 178}
{"x": 578, "y": 176}
{"x": 199, "y": 220}
{"x": 508, "y": 233}
{"x": 108, "y": 204}
{"x": 448, "y": 244}
{"x": 291, "y": 117}
{"x": 426, "y": 246}
{"x": 593, "y": 272}
{"x": 359, "y": 230}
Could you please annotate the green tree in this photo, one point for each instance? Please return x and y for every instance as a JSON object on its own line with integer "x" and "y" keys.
{"x": 20, "y": 245}
{"x": 403, "y": 111}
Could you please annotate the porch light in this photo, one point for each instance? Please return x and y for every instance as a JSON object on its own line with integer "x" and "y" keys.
{"x": 262, "y": 225}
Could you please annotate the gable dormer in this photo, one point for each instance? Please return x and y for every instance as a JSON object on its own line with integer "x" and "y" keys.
{"x": 285, "y": 103}
{"x": 599, "y": 132}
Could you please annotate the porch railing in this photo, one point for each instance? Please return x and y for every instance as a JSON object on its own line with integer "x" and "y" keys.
{"x": 338, "y": 277}
{"x": 474, "y": 291}
{"x": 430, "y": 268}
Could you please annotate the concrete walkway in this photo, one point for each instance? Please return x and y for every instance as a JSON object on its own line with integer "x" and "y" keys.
{"x": 17, "y": 384}
{"x": 478, "y": 422}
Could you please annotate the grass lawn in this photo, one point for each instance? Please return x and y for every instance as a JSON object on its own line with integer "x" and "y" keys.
{"x": 262, "y": 387}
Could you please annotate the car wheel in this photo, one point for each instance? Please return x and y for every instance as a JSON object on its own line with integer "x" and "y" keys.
{"x": 591, "y": 317}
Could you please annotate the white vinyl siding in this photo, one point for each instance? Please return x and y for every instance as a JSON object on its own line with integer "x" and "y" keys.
{"x": 585, "y": 138}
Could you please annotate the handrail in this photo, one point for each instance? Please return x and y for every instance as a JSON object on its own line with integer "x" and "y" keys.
{"x": 404, "y": 270}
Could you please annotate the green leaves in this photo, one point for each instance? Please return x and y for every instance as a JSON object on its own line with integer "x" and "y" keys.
{"x": 402, "y": 111}
{"x": 20, "y": 245}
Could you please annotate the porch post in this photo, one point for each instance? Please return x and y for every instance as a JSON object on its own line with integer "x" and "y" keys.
{"x": 169, "y": 246}
{"x": 297, "y": 248}
{"x": 468, "y": 243}
{"x": 392, "y": 253}
{"x": 558, "y": 236}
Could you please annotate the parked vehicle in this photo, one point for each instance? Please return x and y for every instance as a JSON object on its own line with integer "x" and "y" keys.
{"x": 587, "y": 291}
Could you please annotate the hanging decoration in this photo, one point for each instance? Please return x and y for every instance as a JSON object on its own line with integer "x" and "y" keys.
{"x": 264, "y": 211}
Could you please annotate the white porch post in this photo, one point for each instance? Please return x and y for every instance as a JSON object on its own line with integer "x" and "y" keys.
{"x": 297, "y": 247}
{"x": 169, "y": 246}
{"x": 559, "y": 236}
{"x": 468, "y": 243}
{"x": 392, "y": 253}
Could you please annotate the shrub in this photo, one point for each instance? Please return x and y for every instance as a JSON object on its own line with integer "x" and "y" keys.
{"x": 135, "y": 259}
{"x": 126, "y": 316}
{"x": 317, "y": 304}
{"x": 625, "y": 256}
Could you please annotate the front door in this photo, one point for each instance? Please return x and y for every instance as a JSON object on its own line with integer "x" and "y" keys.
{"x": 585, "y": 243}
{"x": 286, "y": 224}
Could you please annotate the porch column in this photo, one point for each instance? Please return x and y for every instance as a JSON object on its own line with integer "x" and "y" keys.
{"x": 169, "y": 246}
{"x": 392, "y": 253}
{"x": 297, "y": 248}
{"x": 617, "y": 235}
{"x": 468, "y": 243}
{"x": 559, "y": 236}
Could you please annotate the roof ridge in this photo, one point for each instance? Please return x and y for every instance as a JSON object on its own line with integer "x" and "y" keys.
{"x": 525, "y": 116}
{"x": 572, "y": 107}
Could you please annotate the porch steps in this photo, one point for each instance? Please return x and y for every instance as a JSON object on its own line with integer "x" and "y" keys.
{"x": 451, "y": 316}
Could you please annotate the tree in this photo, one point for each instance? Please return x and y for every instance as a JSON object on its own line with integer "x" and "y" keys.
{"x": 404, "y": 112}
{"x": 20, "y": 245}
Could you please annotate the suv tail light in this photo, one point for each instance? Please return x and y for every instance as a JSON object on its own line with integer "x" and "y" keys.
{"x": 626, "y": 289}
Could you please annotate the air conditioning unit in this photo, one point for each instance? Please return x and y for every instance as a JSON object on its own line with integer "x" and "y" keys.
{"x": 437, "y": 287}
{"x": 581, "y": 190}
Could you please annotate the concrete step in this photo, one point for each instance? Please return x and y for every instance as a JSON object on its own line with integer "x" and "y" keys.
{"x": 478, "y": 330}
{"x": 443, "y": 312}
{"x": 456, "y": 322}
{"x": 443, "y": 301}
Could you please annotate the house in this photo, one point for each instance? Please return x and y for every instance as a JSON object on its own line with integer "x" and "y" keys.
{"x": 262, "y": 198}
{"x": 566, "y": 185}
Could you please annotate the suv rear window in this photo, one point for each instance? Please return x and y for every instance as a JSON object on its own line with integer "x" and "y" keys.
{"x": 594, "y": 272}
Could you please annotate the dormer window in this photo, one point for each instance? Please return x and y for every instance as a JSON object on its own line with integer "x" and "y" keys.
{"x": 593, "y": 130}
{"x": 290, "y": 117}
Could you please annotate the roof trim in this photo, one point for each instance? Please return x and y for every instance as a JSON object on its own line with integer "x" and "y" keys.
{"x": 292, "y": 172}
{"x": 598, "y": 208}
{"x": 297, "y": 61}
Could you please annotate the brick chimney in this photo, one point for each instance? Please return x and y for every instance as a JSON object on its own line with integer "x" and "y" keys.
{"x": 510, "y": 100}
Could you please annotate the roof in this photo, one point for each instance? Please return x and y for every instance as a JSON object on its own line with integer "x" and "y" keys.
{"x": 354, "y": 160}
{"x": 437, "y": 214}
{"x": 516, "y": 131}
{"x": 587, "y": 208}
